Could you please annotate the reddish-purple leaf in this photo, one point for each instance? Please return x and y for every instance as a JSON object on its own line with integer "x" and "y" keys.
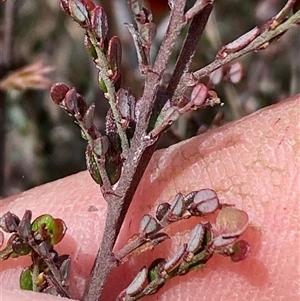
{"x": 216, "y": 76}
{"x": 162, "y": 210}
{"x": 177, "y": 208}
{"x": 88, "y": 118}
{"x": 78, "y": 11}
{"x": 173, "y": 262}
{"x": 240, "y": 249}
{"x": 148, "y": 224}
{"x": 64, "y": 4}
{"x": 137, "y": 283}
{"x": 71, "y": 101}
{"x": 196, "y": 238}
{"x": 239, "y": 43}
{"x": 99, "y": 22}
{"x": 199, "y": 95}
{"x": 114, "y": 53}
{"x": 206, "y": 201}
{"x": 58, "y": 92}
{"x": 235, "y": 72}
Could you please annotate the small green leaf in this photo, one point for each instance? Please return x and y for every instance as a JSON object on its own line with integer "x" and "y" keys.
{"x": 6, "y": 252}
{"x": 90, "y": 47}
{"x": 241, "y": 250}
{"x": 59, "y": 231}
{"x": 20, "y": 248}
{"x": 154, "y": 269}
{"x": 92, "y": 165}
{"x": 102, "y": 85}
{"x": 55, "y": 227}
{"x": 26, "y": 279}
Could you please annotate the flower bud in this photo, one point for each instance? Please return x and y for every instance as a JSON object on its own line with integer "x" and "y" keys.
{"x": 58, "y": 92}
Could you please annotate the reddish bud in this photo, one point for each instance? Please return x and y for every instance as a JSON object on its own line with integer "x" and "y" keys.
{"x": 24, "y": 228}
{"x": 71, "y": 100}
{"x": 216, "y": 76}
{"x": 99, "y": 23}
{"x": 199, "y": 94}
{"x": 88, "y": 118}
{"x": 241, "y": 250}
{"x": 64, "y": 4}
{"x": 58, "y": 92}
{"x": 239, "y": 43}
{"x": 81, "y": 104}
{"x": 89, "y": 4}
{"x": 9, "y": 222}
{"x": 235, "y": 72}
{"x": 114, "y": 57}
{"x": 114, "y": 53}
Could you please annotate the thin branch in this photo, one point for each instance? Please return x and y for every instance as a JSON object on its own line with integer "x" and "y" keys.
{"x": 154, "y": 76}
{"x": 102, "y": 63}
{"x": 199, "y": 259}
{"x": 255, "y": 45}
{"x": 142, "y": 147}
{"x": 188, "y": 50}
{"x": 138, "y": 158}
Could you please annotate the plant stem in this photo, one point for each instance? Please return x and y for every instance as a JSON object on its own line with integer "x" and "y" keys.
{"x": 188, "y": 50}
{"x": 154, "y": 76}
{"x": 261, "y": 40}
{"x": 142, "y": 148}
{"x": 102, "y": 63}
{"x": 199, "y": 259}
{"x": 138, "y": 158}
{"x": 118, "y": 205}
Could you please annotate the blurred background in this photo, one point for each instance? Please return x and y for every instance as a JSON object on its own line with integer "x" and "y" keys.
{"x": 39, "y": 45}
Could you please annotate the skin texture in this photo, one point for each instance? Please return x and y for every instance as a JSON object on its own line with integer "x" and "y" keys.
{"x": 252, "y": 163}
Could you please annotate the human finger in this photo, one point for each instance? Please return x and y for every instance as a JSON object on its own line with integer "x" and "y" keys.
{"x": 253, "y": 163}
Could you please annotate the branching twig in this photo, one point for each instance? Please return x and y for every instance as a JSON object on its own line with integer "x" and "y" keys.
{"x": 138, "y": 146}
{"x": 261, "y": 41}
{"x": 188, "y": 50}
{"x": 102, "y": 63}
{"x": 138, "y": 157}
